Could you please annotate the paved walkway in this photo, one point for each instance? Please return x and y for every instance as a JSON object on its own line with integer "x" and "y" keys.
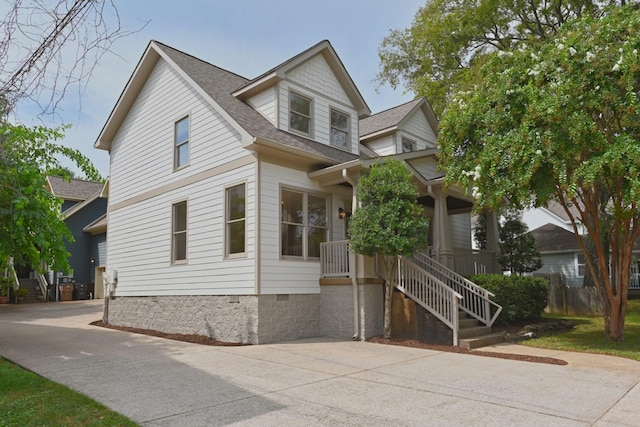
{"x": 159, "y": 382}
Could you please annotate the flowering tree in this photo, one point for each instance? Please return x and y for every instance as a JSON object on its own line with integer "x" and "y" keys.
{"x": 31, "y": 228}
{"x": 561, "y": 120}
{"x": 389, "y": 222}
{"x": 430, "y": 58}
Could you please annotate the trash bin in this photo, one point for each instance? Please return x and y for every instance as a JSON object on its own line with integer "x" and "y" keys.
{"x": 66, "y": 292}
{"x": 80, "y": 291}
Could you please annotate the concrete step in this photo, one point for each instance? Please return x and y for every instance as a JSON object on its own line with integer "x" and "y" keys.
{"x": 474, "y": 331}
{"x": 481, "y": 341}
{"x": 467, "y": 323}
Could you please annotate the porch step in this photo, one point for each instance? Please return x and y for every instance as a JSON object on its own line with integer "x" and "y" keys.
{"x": 34, "y": 290}
{"x": 474, "y": 331}
{"x": 466, "y": 322}
{"x": 481, "y": 341}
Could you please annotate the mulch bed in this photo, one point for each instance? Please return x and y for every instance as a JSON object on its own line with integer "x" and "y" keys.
{"x": 203, "y": 340}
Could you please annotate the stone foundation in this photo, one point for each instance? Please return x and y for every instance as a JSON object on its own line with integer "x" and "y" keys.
{"x": 246, "y": 319}
{"x": 336, "y": 308}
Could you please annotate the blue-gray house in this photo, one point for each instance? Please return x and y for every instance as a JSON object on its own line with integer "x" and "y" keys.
{"x": 84, "y": 209}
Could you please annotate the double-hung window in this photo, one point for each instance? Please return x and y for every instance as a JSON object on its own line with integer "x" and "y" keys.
{"x": 339, "y": 129}
{"x": 181, "y": 143}
{"x": 303, "y": 224}
{"x": 179, "y": 233}
{"x": 581, "y": 265}
{"x": 235, "y": 200}
{"x": 299, "y": 114}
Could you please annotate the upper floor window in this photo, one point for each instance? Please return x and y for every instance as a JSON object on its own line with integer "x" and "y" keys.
{"x": 303, "y": 223}
{"x": 408, "y": 145}
{"x": 339, "y": 129}
{"x": 181, "y": 143}
{"x": 179, "y": 233}
{"x": 299, "y": 114}
{"x": 235, "y": 220}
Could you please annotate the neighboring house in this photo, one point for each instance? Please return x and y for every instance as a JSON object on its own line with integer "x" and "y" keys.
{"x": 554, "y": 214}
{"x": 84, "y": 208}
{"x": 560, "y": 253}
{"x": 227, "y": 197}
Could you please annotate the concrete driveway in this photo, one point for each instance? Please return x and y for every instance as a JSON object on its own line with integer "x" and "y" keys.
{"x": 159, "y": 382}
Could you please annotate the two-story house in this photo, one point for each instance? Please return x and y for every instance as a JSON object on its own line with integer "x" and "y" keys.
{"x": 223, "y": 192}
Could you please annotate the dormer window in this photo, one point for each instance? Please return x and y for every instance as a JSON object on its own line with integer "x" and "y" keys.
{"x": 299, "y": 114}
{"x": 339, "y": 129}
{"x": 408, "y": 145}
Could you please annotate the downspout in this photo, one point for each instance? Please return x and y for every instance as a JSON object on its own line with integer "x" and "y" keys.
{"x": 353, "y": 262}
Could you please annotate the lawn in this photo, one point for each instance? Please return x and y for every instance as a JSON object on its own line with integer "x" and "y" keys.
{"x": 27, "y": 399}
{"x": 588, "y": 335}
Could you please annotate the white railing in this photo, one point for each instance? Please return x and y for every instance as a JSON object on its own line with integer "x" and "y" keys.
{"x": 476, "y": 301}
{"x": 430, "y": 292}
{"x": 334, "y": 259}
{"x": 42, "y": 282}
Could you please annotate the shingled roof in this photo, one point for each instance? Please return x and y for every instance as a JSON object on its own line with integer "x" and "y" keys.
{"x": 75, "y": 189}
{"x": 387, "y": 119}
{"x": 551, "y": 238}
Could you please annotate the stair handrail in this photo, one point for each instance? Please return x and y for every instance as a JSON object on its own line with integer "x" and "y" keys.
{"x": 42, "y": 282}
{"x": 477, "y": 302}
{"x": 429, "y": 292}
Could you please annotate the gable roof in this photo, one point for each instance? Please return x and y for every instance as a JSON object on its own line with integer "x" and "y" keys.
{"x": 551, "y": 238}
{"x": 217, "y": 86}
{"x": 74, "y": 189}
{"x": 390, "y": 120}
{"x": 323, "y": 48}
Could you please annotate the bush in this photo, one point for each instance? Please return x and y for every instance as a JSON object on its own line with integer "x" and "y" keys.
{"x": 521, "y": 297}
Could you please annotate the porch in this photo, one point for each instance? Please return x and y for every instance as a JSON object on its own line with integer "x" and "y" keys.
{"x": 445, "y": 295}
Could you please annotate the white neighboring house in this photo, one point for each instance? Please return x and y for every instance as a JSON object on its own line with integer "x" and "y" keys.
{"x": 224, "y": 190}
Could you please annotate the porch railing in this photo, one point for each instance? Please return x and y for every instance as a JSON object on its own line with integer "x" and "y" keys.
{"x": 334, "y": 259}
{"x": 476, "y": 301}
{"x": 430, "y": 292}
{"x": 42, "y": 282}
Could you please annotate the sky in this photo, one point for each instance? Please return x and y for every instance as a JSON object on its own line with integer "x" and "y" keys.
{"x": 247, "y": 37}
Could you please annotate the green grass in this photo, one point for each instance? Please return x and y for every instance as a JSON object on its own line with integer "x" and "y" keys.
{"x": 27, "y": 399}
{"x": 588, "y": 335}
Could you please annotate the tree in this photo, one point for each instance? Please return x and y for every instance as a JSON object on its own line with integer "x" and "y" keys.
{"x": 480, "y": 231}
{"x": 561, "y": 121}
{"x": 518, "y": 252}
{"x": 388, "y": 223}
{"x": 430, "y": 58}
{"x": 32, "y": 230}
{"x": 48, "y": 46}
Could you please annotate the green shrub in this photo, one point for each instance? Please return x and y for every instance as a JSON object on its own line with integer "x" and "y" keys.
{"x": 521, "y": 297}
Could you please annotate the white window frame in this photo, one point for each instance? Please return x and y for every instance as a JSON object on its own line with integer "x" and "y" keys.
{"x": 305, "y": 224}
{"x": 175, "y": 233}
{"x": 579, "y": 264}
{"x": 409, "y": 141}
{"x": 228, "y": 222}
{"x": 292, "y": 112}
{"x": 347, "y": 131}
{"x": 179, "y": 144}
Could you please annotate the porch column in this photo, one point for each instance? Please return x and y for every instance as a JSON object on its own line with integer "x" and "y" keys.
{"x": 441, "y": 232}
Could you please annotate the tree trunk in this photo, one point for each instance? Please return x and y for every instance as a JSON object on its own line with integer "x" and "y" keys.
{"x": 389, "y": 264}
{"x": 614, "y": 323}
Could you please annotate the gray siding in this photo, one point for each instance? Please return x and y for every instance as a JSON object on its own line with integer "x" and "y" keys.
{"x": 80, "y": 250}
{"x": 562, "y": 263}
